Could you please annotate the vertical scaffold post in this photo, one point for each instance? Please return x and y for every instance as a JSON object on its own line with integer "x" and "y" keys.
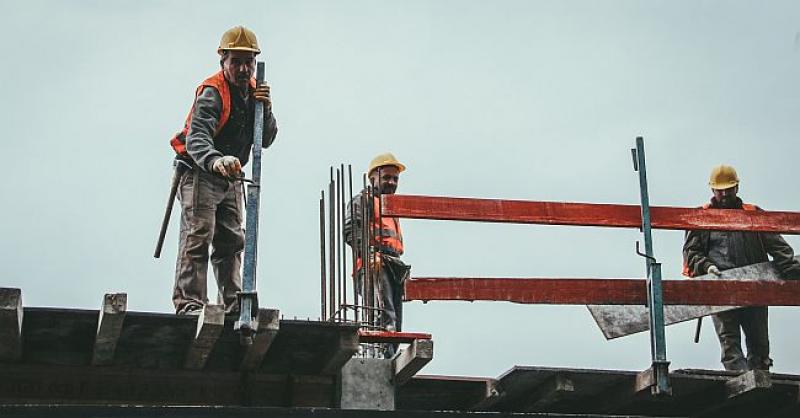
{"x": 248, "y": 310}
{"x": 659, "y": 372}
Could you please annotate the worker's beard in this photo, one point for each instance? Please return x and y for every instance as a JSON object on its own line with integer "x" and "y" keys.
{"x": 729, "y": 202}
{"x": 388, "y": 189}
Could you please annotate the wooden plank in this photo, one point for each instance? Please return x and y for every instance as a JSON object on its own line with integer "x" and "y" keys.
{"x": 585, "y": 214}
{"x": 109, "y": 327}
{"x": 411, "y": 360}
{"x": 373, "y": 336}
{"x": 209, "y": 326}
{"x": 605, "y": 291}
{"x": 619, "y": 321}
{"x": 346, "y": 347}
{"x": 557, "y": 389}
{"x": 752, "y": 381}
{"x": 10, "y": 324}
{"x": 268, "y": 327}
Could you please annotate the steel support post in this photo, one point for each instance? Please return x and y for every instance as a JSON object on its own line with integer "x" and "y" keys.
{"x": 248, "y": 309}
{"x": 658, "y": 342}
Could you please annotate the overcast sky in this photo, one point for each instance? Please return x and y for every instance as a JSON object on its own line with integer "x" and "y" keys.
{"x": 536, "y": 100}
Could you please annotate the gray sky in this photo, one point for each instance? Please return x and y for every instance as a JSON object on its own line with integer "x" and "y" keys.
{"x": 525, "y": 100}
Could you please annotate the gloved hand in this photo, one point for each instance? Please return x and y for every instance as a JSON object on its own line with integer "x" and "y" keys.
{"x": 712, "y": 269}
{"x": 261, "y": 93}
{"x": 228, "y": 166}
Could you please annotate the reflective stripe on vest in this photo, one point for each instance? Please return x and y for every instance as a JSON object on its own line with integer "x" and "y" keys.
{"x": 218, "y": 82}
{"x": 388, "y": 232}
{"x": 745, "y": 206}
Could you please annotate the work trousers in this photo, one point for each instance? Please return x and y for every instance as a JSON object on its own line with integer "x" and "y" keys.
{"x": 389, "y": 287}
{"x": 211, "y": 215}
{"x": 754, "y": 322}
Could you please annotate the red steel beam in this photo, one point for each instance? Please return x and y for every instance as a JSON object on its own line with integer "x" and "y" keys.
{"x": 370, "y": 336}
{"x": 606, "y": 291}
{"x": 586, "y": 214}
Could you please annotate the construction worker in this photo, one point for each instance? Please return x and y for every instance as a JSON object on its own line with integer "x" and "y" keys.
{"x": 712, "y": 252}
{"x": 384, "y": 175}
{"x": 214, "y": 145}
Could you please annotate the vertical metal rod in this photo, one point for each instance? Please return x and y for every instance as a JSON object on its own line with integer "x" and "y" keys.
{"x": 366, "y": 213}
{"x": 338, "y": 244}
{"x": 344, "y": 247}
{"x": 352, "y": 249}
{"x": 331, "y": 251}
{"x": 248, "y": 303}
{"x": 322, "y": 260}
{"x": 658, "y": 349}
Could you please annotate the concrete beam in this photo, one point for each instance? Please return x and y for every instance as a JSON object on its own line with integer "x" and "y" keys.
{"x": 109, "y": 326}
{"x": 366, "y": 383}
{"x": 268, "y": 325}
{"x": 556, "y": 389}
{"x": 753, "y": 381}
{"x": 10, "y": 324}
{"x": 347, "y": 346}
{"x": 209, "y": 327}
{"x": 411, "y": 360}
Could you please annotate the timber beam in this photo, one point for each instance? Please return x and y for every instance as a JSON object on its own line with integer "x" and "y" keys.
{"x": 411, "y": 360}
{"x": 268, "y": 327}
{"x": 605, "y": 291}
{"x": 586, "y": 214}
{"x": 10, "y": 324}
{"x": 109, "y": 327}
{"x": 209, "y": 327}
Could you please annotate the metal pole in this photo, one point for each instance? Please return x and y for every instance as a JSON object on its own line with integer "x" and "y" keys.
{"x": 247, "y": 325}
{"x": 344, "y": 247}
{"x": 658, "y": 343}
{"x": 352, "y": 249}
{"x": 331, "y": 251}
{"x": 322, "y": 253}
{"x": 338, "y": 243}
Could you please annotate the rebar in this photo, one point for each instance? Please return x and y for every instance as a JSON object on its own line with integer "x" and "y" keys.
{"x": 322, "y": 254}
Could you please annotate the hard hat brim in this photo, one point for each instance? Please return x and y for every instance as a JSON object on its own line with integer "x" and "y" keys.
{"x": 400, "y": 167}
{"x": 723, "y": 186}
{"x": 240, "y": 48}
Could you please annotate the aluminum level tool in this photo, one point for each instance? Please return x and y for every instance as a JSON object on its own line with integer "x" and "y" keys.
{"x": 248, "y": 298}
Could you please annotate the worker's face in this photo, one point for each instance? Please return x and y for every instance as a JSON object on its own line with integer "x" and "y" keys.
{"x": 726, "y": 197}
{"x": 239, "y": 67}
{"x": 385, "y": 178}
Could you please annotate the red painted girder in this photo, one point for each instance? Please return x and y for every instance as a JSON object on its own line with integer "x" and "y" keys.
{"x": 585, "y": 214}
{"x": 605, "y": 291}
{"x": 369, "y": 336}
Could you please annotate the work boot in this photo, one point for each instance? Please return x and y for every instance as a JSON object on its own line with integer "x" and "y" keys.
{"x": 191, "y": 310}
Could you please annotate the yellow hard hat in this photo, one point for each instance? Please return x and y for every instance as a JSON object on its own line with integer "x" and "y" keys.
{"x": 238, "y": 38}
{"x": 723, "y": 177}
{"x": 383, "y": 160}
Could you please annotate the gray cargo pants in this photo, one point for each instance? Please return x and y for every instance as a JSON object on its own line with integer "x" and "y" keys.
{"x": 211, "y": 214}
{"x": 754, "y": 322}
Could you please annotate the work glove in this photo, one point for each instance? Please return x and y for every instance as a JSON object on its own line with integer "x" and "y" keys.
{"x": 712, "y": 269}
{"x": 261, "y": 93}
{"x": 228, "y": 166}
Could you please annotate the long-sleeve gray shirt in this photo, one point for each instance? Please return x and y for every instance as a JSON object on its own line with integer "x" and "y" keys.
{"x": 235, "y": 138}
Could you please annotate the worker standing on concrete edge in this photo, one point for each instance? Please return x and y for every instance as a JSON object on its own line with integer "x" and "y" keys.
{"x": 213, "y": 146}
{"x": 712, "y": 252}
{"x": 384, "y": 175}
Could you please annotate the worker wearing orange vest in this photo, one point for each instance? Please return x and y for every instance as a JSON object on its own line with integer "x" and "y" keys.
{"x": 712, "y": 252}
{"x": 214, "y": 144}
{"x": 384, "y": 174}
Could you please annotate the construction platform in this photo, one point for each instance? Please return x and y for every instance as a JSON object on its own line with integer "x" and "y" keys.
{"x": 109, "y": 362}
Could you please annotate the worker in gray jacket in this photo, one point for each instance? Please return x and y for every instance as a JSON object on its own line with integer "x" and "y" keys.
{"x": 214, "y": 145}
{"x": 711, "y": 252}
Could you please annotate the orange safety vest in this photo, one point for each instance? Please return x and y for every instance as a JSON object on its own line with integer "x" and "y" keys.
{"x": 388, "y": 237}
{"x": 218, "y": 82}
{"x": 746, "y": 206}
